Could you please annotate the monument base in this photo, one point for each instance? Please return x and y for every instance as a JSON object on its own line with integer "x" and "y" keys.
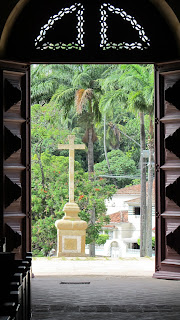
{"x": 71, "y": 255}
{"x": 71, "y": 243}
{"x": 71, "y": 233}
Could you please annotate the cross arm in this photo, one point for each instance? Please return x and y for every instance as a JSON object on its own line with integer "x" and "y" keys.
{"x": 63, "y": 146}
{"x": 79, "y": 146}
{"x": 71, "y": 147}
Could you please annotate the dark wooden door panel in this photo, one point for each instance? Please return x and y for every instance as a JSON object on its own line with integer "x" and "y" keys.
{"x": 15, "y": 163}
{"x": 168, "y": 171}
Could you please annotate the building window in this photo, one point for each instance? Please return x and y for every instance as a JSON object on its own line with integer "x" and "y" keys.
{"x": 137, "y": 211}
{"x": 135, "y": 246}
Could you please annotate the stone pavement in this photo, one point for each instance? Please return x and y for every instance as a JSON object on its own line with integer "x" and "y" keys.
{"x": 93, "y": 266}
{"x": 103, "y": 296}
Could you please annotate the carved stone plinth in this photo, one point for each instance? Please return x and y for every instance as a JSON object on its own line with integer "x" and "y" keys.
{"x": 71, "y": 233}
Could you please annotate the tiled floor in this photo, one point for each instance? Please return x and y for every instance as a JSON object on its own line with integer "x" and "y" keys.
{"x": 105, "y": 297}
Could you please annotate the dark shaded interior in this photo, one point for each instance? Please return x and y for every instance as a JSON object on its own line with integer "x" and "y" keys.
{"x": 37, "y": 13}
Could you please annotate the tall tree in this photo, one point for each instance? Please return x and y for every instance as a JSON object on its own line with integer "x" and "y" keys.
{"x": 84, "y": 92}
{"x": 47, "y": 78}
{"x": 133, "y": 86}
{"x": 140, "y": 79}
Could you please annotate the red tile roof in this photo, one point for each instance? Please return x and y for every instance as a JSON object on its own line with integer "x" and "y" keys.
{"x": 117, "y": 217}
{"x": 110, "y": 226}
{"x": 120, "y": 216}
{"x": 135, "y": 189}
{"x": 135, "y": 200}
{"x": 138, "y": 200}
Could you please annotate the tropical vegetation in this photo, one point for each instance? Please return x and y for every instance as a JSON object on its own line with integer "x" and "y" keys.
{"x": 110, "y": 109}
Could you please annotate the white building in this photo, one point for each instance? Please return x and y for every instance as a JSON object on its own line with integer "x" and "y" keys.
{"x": 124, "y": 226}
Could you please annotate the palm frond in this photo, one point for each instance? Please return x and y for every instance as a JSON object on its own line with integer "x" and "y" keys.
{"x": 63, "y": 99}
{"x": 82, "y": 80}
{"x": 96, "y": 111}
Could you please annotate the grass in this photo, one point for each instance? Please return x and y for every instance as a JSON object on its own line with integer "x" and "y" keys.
{"x": 93, "y": 258}
{"x": 147, "y": 257}
{"x": 63, "y": 258}
{"x": 90, "y": 258}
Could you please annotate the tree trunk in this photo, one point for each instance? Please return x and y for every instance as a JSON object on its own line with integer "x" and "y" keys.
{"x": 150, "y": 187}
{"x": 149, "y": 207}
{"x": 92, "y": 252}
{"x": 90, "y": 153}
{"x": 105, "y": 148}
{"x": 105, "y": 152}
{"x": 91, "y": 177}
{"x": 43, "y": 214}
{"x": 143, "y": 191}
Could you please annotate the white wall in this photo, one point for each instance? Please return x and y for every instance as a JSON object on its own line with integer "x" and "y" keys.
{"x": 130, "y": 230}
{"x": 117, "y": 203}
{"x": 135, "y": 220}
{"x": 124, "y": 230}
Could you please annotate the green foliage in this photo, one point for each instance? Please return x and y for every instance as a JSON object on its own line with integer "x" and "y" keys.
{"x": 49, "y": 199}
{"x": 44, "y": 235}
{"x": 46, "y": 79}
{"x": 132, "y": 128}
{"x": 102, "y": 238}
{"x": 121, "y": 164}
{"x": 153, "y": 242}
{"x": 45, "y": 133}
{"x": 116, "y": 90}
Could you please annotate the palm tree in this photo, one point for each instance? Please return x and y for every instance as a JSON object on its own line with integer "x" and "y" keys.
{"x": 132, "y": 86}
{"x": 45, "y": 80}
{"x": 84, "y": 92}
{"x": 140, "y": 80}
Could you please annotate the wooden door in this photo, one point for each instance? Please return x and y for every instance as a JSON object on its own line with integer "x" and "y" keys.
{"x": 15, "y": 217}
{"x": 167, "y": 138}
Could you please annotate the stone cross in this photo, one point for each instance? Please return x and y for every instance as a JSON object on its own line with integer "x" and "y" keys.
{"x": 71, "y": 147}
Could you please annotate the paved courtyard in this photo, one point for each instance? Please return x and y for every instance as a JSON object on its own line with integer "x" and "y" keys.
{"x": 93, "y": 266}
{"x": 102, "y": 289}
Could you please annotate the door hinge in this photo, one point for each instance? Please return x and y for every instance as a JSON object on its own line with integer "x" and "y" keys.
{"x": 158, "y": 215}
{"x": 156, "y": 120}
{"x": 29, "y": 214}
{"x": 28, "y": 120}
{"x": 157, "y": 167}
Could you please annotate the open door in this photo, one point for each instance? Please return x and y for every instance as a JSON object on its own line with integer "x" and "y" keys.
{"x": 15, "y": 217}
{"x": 167, "y": 138}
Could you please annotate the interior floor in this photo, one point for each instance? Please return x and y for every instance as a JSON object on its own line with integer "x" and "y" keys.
{"x": 104, "y": 297}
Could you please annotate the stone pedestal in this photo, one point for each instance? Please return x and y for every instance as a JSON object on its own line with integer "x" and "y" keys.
{"x": 71, "y": 232}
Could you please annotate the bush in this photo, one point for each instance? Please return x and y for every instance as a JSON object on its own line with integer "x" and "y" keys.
{"x": 153, "y": 242}
{"x": 49, "y": 199}
{"x": 102, "y": 238}
{"x": 44, "y": 236}
{"x": 120, "y": 164}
